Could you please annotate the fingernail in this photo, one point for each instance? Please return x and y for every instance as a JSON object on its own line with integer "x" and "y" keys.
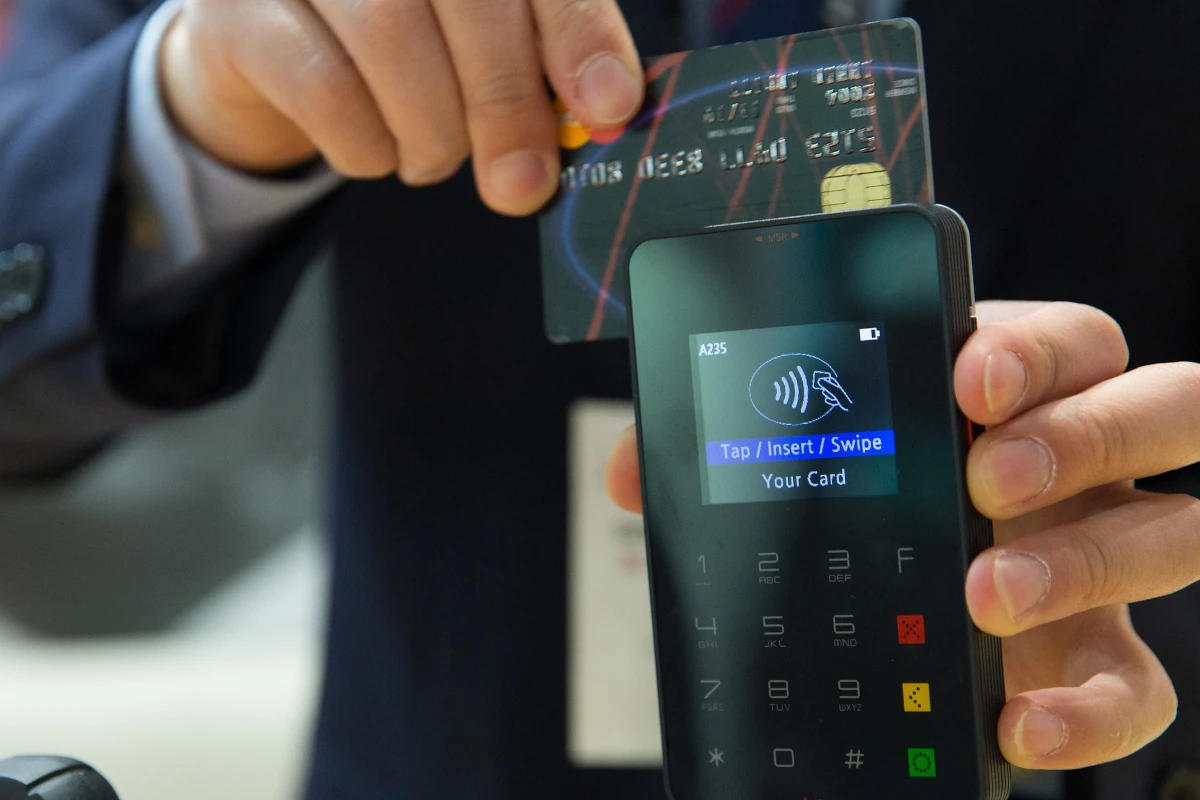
{"x": 1017, "y": 470}
{"x": 1039, "y": 733}
{"x": 1022, "y": 582}
{"x": 607, "y": 89}
{"x": 518, "y": 175}
{"x": 1004, "y": 381}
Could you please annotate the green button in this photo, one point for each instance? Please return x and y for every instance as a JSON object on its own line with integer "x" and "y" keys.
{"x": 921, "y": 763}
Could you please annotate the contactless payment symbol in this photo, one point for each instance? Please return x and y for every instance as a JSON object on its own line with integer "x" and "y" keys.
{"x": 797, "y": 389}
{"x": 911, "y": 628}
{"x": 916, "y": 697}
{"x": 921, "y": 763}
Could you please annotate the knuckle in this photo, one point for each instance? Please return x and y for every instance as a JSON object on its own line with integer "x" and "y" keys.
{"x": 504, "y": 94}
{"x": 379, "y": 21}
{"x": 1108, "y": 443}
{"x": 1100, "y": 575}
{"x": 1046, "y": 355}
{"x": 332, "y": 87}
{"x": 209, "y": 35}
{"x": 1187, "y": 373}
{"x": 577, "y": 17}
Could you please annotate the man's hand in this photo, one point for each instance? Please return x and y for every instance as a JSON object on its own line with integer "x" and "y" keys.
{"x": 410, "y": 87}
{"x": 1069, "y": 431}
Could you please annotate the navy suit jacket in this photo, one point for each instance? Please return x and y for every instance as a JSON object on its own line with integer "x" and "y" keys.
{"x": 1065, "y": 135}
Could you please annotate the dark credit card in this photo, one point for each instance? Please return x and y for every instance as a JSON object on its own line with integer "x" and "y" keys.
{"x": 820, "y": 122}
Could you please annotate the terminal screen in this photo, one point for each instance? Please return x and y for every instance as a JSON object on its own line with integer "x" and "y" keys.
{"x": 794, "y": 412}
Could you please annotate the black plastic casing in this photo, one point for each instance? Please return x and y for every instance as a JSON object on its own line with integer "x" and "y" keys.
{"x": 906, "y": 268}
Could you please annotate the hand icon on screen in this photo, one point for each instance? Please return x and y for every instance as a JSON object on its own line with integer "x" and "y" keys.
{"x": 785, "y": 389}
{"x": 831, "y": 389}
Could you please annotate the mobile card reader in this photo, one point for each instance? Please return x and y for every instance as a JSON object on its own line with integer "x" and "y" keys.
{"x": 807, "y": 518}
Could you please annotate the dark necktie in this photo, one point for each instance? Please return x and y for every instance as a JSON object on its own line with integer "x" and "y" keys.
{"x": 744, "y": 20}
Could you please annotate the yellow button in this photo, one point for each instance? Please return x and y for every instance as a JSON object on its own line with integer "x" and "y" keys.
{"x": 916, "y": 697}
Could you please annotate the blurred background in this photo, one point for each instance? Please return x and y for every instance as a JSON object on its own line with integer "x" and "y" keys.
{"x": 161, "y": 611}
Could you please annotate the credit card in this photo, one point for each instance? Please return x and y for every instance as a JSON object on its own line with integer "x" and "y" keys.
{"x": 827, "y": 121}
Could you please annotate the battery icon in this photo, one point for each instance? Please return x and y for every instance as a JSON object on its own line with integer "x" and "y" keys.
{"x": 869, "y": 334}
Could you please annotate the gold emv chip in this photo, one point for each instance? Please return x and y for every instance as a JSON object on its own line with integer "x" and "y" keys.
{"x": 855, "y": 186}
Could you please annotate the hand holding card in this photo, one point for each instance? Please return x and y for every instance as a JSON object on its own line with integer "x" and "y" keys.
{"x": 828, "y": 121}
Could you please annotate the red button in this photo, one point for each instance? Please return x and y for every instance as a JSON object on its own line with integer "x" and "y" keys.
{"x": 911, "y": 628}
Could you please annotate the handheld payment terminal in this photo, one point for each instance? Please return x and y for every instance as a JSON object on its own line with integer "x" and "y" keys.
{"x": 807, "y": 517}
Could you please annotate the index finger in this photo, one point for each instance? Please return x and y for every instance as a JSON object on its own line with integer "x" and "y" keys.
{"x": 591, "y": 60}
{"x": 1034, "y": 353}
{"x": 509, "y": 119}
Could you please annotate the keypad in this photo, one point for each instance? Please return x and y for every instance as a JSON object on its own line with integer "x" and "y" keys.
{"x": 827, "y": 672}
